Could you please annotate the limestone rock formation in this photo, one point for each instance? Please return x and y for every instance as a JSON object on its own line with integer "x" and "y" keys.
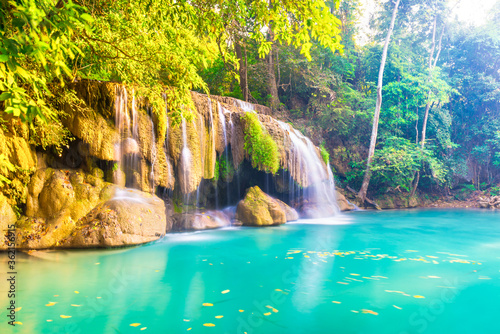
{"x": 200, "y": 220}
{"x": 260, "y": 209}
{"x": 344, "y": 204}
{"x": 130, "y": 217}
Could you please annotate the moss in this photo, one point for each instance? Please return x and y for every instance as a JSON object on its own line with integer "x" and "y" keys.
{"x": 259, "y": 145}
{"x": 324, "y": 153}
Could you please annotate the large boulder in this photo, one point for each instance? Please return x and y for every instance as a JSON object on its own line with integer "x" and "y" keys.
{"x": 130, "y": 217}
{"x": 344, "y": 204}
{"x": 200, "y": 221}
{"x": 260, "y": 209}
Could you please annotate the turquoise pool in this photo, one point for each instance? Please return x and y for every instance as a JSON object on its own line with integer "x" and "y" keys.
{"x": 414, "y": 271}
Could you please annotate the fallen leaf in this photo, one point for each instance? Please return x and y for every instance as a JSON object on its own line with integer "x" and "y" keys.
{"x": 75, "y": 305}
{"x": 335, "y": 302}
{"x": 51, "y": 304}
{"x": 225, "y": 291}
{"x": 369, "y": 312}
{"x": 65, "y": 316}
{"x": 399, "y": 308}
{"x": 143, "y": 328}
{"x": 49, "y": 320}
{"x": 267, "y": 313}
{"x": 241, "y": 311}
{"x": 209, "y": 325}
{"x": 135, "y": 324}
{"x": 77, "y": 292}
{"x": 208, "y": 304}
{"x": 17, "y": 309}
{"x": 418, "y": 296}
{"x": 17, "y": 323}
{"x": 219, "y": 316}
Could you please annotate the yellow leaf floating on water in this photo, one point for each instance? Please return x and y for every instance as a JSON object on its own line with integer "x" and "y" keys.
{"x": 51, "y": 304}
{"x": 219, "y": 316}
{"x": 17, "y": 323}
{"x": 143, "y": 328}
{"x": 399, "y": 308}
{"x": 77, "y": 292}
{"x": 209, "y": 325}
{"x": 433, "y": 276}
{"x": 56, "y": 295}
{"x": 275, "y": 310}
{"x": 186, "y": 320}
{"x": 97, "y": 263}
{"x": 208, "y": 304}
{"x": 65, "y": 316}
{"x": 267, "y": 313}
{"x": 74, "y": 305}
{"x": 98, "y": 297}
{"x": 49, "y": 320}
{"x": 335, "y": 302}
{"x": 225, "y": 291}
{"x": 354, "y": 311}
{"x": 241, "y": 311}
{"x": 135, "y": 324}
{"x": 418, "y": 296}
{"x": 369, "y": 312}
{"x": 354, "y": 274}
{"x": 17, "y": 309}
{"x": 343, "y": 283}
{"x": 189, "y": 328}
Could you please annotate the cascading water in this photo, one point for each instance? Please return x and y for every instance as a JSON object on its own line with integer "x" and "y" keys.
{"x": 307, "y": 169}
{"x": 222, "y": 119}
{"x": 127, "y": 150}
{"x": 153, "y": 155}
{"x": 185, "y": 163}
{"x": 246, "y": 106}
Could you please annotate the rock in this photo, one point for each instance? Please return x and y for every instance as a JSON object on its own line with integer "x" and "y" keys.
{"x": 131, "y": 217}
{"x": 259, "y": 209}
{"x": 57, "y": 194}
{"x": 7, "y": 218}
{"x": 290, "y": 213}
{"x": 343, "y": 203}
{"x": 200, "y": 221}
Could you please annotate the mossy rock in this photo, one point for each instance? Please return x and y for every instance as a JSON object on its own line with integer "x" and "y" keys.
{"x": 260, "y": 209}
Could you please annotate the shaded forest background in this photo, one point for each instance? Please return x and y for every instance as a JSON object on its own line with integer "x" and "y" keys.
{"x": 302, "y": 60}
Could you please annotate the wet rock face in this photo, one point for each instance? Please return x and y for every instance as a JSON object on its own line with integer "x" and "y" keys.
{"x": 344, "y": 204}
{"x": 130, "y": 217}
{"x": 200, "y": 221}
{"x": 260, "y": 209}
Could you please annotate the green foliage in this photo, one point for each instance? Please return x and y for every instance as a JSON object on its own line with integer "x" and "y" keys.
{"x": 396, "y": 162}
{"x": 36, "y": 50}
{"x": 324, "y": 153}
{"x": 260, "y": 146}
{"x": 494, "y": 191}
{"x": 224, "y": 168}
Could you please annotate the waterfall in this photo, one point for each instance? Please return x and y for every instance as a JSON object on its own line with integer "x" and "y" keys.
{"x": 222, "y": 119}
{"x": 246, "y": 106}
{"x": 307, "y": 169}
{"x": 153, "y": 155}
{"x": 127, "y": 151}
{"x": 185, "y": 162}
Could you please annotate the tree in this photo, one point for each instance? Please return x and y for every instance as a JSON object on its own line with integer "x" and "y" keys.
{"x": 376, "y": 115}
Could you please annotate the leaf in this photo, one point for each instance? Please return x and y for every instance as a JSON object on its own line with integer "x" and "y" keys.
{"x": 209, "y": 325}
{"x": 135, "y": 324}
{"x": 51, "y": 304}
{"x": 208, "y": 304}
{"x": 418, "y": 296}
{"x": 4, "y": 58}
{"x": 225, "y": 291}
{"x": 65, "y": 316}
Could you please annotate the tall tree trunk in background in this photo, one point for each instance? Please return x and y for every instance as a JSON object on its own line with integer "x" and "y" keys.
{"x": 272, "y": 87}
{"x": 432, "y": 64}
{"x": 376, "y": 116}
{"x": 242, "y": 70}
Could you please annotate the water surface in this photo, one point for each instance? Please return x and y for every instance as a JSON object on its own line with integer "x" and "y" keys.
{"x": 415, "y": 271}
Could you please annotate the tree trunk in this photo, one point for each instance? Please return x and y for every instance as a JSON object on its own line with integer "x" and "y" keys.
{"x": 376, "y": 116}
{"x": 272, "y": 88}
{"x": 242, "y": 70}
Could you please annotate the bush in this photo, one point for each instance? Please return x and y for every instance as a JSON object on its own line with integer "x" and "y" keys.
{"x": 324, "y": 153}
{"x": 259, "y": 145}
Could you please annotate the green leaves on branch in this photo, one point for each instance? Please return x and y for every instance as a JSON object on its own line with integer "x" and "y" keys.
{"x": 36, "y": 48}
{"x": 259, "y": 145}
